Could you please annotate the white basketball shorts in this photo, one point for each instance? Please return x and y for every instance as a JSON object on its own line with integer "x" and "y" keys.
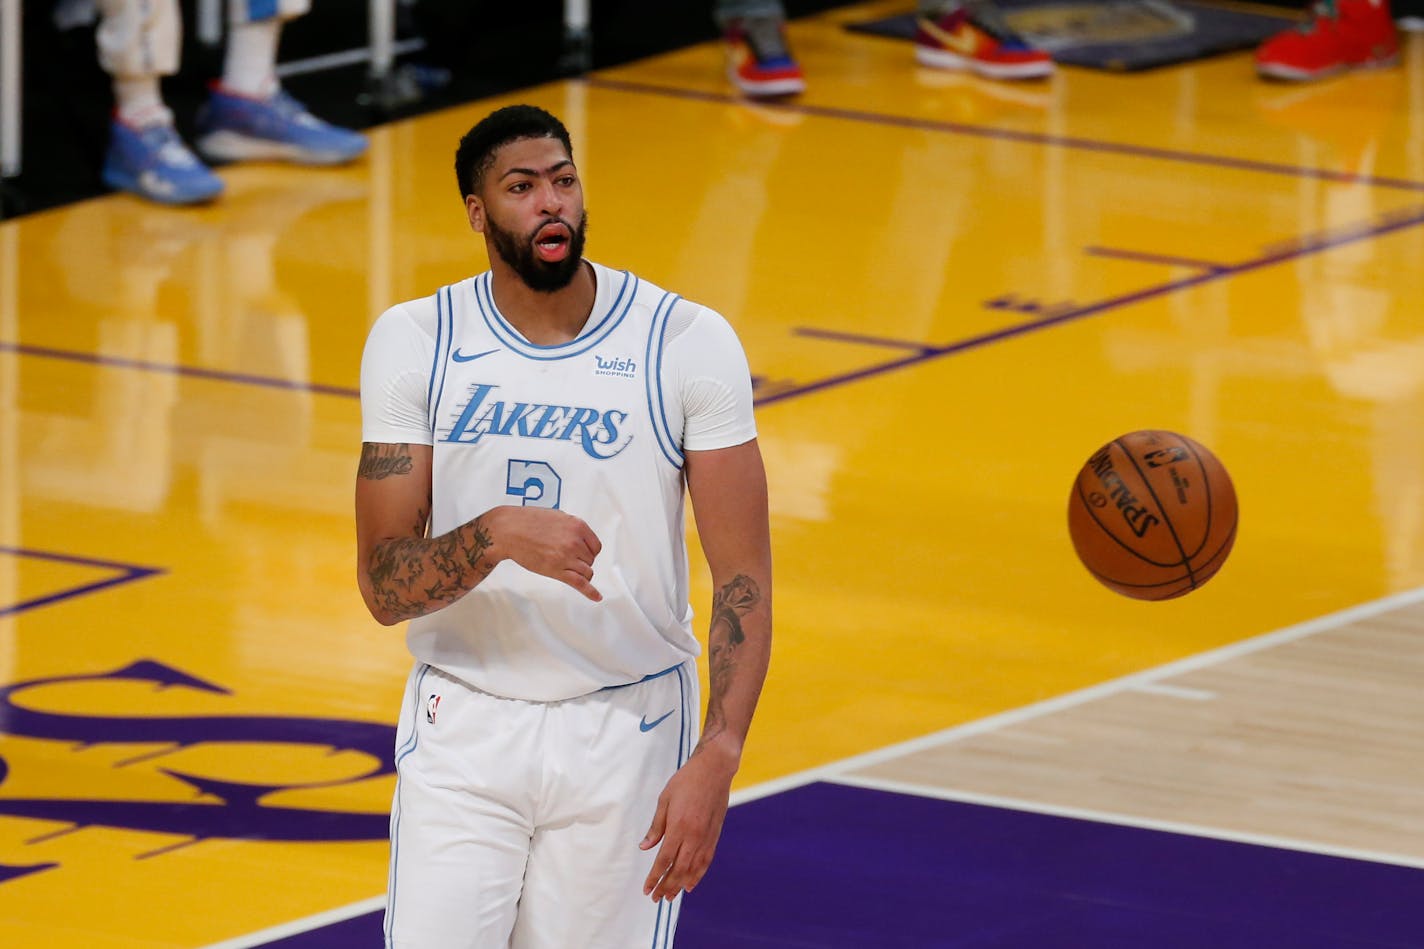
{"x": 517, "y": 824}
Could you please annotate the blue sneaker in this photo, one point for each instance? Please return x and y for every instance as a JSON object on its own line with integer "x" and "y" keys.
{"x": 238, "y": 128}
{"x": 153, "y": 162}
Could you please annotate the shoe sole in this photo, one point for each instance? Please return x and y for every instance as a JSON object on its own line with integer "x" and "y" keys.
{"x": 769, "y": 88}
{"x": 943, "y": 59}
{"x": 233, "y": 146}
{"x": 1294, "y": 74}
{"x": 123, "y": 182}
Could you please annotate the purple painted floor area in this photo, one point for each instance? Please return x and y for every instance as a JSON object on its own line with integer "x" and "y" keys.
{"x": 833, "y": 866}
{"x": 836, "y": 867}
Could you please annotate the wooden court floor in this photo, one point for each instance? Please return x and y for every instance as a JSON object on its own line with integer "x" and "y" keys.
{"x": 950, "y": 291}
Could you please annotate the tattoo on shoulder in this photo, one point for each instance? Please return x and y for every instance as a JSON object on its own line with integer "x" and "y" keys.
{"x": 382, "y": 461}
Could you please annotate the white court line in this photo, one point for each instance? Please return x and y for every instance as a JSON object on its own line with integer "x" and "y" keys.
{"x": 838, "y": 771}
{"x": 305, "y": 924}
{"x": 1069, "y": 700}
{"x": 1122, "y": 820}
{"x": 1174, "y": 691}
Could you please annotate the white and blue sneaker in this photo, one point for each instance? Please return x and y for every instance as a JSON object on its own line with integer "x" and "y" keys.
{"x": 233, "y": 127}
{"x": 151, "y": 161}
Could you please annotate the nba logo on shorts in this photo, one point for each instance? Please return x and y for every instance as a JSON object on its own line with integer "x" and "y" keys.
{"x": 432, "y": 704}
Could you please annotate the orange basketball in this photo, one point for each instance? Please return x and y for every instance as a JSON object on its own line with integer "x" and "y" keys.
{"x": 1152, "y": 515}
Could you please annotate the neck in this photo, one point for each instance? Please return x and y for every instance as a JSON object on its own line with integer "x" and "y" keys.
{"x": 545, "y": 319}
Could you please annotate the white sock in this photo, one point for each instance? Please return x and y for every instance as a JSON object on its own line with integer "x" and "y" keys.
{"x": 251, "y": 65}
{"x": 139, "y": 103}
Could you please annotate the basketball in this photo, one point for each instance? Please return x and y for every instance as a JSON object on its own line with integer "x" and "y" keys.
{"x": 1152, "y": 515}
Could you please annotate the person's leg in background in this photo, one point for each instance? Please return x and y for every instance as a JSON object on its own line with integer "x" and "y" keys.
{"x": 138, "y": 43}
{"x": 249, "y": 115}
{"x": 759, "y": 63}
{"x": 972, "y": 35}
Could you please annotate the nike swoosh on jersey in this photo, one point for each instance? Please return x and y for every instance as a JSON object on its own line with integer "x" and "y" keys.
{"x": 647, "y": 726}
{"x": 458, "y": 357}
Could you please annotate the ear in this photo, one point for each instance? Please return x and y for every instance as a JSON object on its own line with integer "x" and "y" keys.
{"x": 475, "y": 212}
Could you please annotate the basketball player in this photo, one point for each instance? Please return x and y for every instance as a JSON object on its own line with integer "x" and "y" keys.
{"x": 528, "y": 434}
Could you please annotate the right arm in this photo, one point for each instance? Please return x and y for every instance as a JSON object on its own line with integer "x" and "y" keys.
{"x": 404, "y": 574}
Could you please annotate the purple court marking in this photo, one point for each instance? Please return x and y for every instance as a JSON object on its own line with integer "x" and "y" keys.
{"x": 1297, "y": 249}
{"x": 1146, "y": 258}
{"x": 191, "y": 372}
{"x": 368, "y": 929}
{"x": 1032, "y": 138}
{"x": 127, "y": 572}
{"x": 840, "y": 337}
{"x": 838, "y": 867}
{"x": 833, "y": 866}
{"x": 8, "y": 872}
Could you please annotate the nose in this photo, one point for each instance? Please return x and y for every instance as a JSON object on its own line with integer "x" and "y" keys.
{"x": 550, "y": 200}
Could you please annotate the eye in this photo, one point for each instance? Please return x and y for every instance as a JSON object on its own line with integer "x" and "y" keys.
{"x": 519, "y": 187}
{"x": 567, "y": 181}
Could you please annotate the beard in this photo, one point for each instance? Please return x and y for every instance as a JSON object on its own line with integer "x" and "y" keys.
{"x": 539, "y": 275}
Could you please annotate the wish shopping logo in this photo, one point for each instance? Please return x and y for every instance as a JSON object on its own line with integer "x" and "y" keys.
{"x": 624, "y": 366}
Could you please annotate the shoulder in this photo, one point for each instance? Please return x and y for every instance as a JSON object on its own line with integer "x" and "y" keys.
{"x": 658, "y": 304}
{"x": 688, "y": 319}
{"x": 418, "y": 316}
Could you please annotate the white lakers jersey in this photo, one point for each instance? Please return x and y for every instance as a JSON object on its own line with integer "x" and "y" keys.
{"x": 595, "y": 427}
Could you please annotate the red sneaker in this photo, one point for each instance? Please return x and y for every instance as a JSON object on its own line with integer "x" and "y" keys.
{"x": 1344, "y": 34}
{"x": 979, "y": 42}
{"x": 759, "y": 62}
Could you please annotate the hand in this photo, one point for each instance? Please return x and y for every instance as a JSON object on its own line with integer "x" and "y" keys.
{"x": 548, "y": 542}
{"x": 688, "y": 822}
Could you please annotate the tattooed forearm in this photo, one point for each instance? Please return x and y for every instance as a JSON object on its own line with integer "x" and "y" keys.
{"x": 383, "y": 460}
{"x": 738, "y": 597}
{"x": 412, "y": 576}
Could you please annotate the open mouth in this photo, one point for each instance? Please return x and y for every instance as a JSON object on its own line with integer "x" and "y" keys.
{"x": 551, "y": 242}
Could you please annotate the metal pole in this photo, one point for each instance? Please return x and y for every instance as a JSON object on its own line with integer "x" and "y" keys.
{"x": 9, "y": 88}
{"x": 577, "y": 56}
{"x": 382, "y": 32}
{"x": 576, "y": 17}
{"x": 210, "y": 22}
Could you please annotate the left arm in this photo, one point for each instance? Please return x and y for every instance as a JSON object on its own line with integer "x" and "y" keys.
{"x": 728, "y": 491}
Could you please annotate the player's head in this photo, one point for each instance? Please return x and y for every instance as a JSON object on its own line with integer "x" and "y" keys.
{"x": 475, "y": 155}
{"x": 521, "y": 189}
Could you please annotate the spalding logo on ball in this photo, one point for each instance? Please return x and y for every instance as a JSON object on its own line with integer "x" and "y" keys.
{"x": 1152, "y": 515}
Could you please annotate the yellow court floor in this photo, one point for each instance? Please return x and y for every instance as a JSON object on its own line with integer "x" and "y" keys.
{"x": 951, "y": 292}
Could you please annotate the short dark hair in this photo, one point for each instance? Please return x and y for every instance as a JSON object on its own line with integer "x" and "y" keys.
{"x": 476, "y": 152}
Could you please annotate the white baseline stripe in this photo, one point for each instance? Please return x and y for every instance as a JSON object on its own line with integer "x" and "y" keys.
{"x": 306, "y": 924}
{"x": 1123, "y": 820}
{"x": 1174, "y": 691}
{"x": 1072, "y": 699}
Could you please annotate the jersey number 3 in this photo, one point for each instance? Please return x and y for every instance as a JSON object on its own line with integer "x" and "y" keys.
{"x": 535, "y": 482}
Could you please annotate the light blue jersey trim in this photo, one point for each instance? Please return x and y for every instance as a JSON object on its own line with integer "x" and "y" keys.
{"x": 668, "y": 910}
{"x": 509, "y": 336}
{"x": 684, "y": 738}
{"x": 652, "y": 377}
{"x": 658, "y": 923}
{"x": 444, "y": 340}
{"x": 402, "y": 753}
{"x": 647, "y": 678}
